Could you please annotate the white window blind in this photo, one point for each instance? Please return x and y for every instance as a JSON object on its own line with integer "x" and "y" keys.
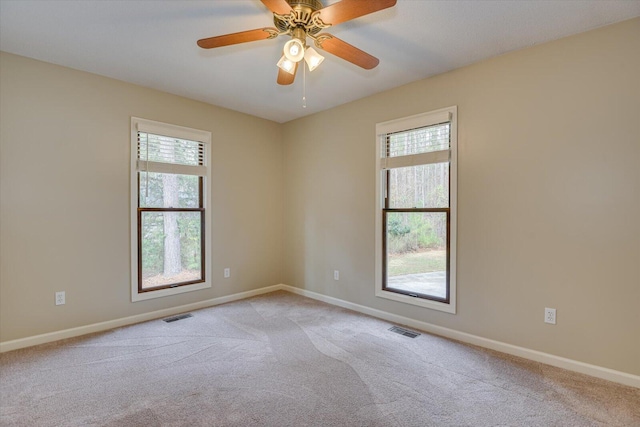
{"x": 165, "y": 154}
{"x": 425, "y": 145}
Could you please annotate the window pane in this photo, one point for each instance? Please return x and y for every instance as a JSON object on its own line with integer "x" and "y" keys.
{"x": 166, "y": 190}
{"x": 171, "y": 248}
{"x": 415, "y": 141}
{"x": 424, "y": 186}
{"x": 417, "y": 252}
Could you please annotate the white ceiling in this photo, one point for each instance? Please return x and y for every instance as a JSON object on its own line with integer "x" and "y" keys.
{"x": 153, "y": 44}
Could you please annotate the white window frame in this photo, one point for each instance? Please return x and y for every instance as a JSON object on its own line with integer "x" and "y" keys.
{"x": 403, "y": 124}
{"x": 158, "y": 128}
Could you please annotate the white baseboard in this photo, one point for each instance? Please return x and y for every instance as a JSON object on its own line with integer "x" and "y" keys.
{"x": 538, "y": 356}
{"x": 117, "y": 323}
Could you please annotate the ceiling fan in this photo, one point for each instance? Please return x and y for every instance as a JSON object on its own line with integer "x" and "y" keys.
{"x": 306, "y": 18}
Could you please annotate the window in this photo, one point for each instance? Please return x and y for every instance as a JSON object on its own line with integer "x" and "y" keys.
{"x": 416, "y": 210}
{"x": 170, "y": 208}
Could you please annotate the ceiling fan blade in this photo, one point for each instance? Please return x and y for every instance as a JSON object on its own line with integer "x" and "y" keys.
{"x": 241, "y": 37}
{"x": 345, "y": 51}
{"x": 347, "y": 10}
{"x": 285, "y": 78}
{"x": 281, "y": 7}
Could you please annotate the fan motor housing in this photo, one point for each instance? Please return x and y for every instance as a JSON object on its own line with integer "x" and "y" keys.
{"x": 313, "y": 4}
{"x": 301, "y": 17}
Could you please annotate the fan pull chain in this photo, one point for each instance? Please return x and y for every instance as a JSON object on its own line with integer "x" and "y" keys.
{"x": 304, "y": 86}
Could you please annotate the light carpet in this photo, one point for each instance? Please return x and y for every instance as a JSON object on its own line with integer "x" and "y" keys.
{"x": 284, "y": 360}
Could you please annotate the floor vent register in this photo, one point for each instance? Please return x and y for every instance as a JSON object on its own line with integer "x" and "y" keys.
{"x": 405, "y": 332}
{"x": 178, "y": 317}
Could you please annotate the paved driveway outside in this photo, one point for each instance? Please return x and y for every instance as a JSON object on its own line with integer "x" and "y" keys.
{"x": 434, "y": 283}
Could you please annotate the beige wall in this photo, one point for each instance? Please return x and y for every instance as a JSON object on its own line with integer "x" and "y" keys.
{"x": 549, "y": 196}
{"x": 548, "y": 201}
{"x": 64, "y": 188}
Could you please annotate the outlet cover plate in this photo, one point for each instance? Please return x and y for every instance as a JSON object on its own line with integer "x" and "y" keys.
{"x": 550, "y": 315}
{"x": 60, "y": 298}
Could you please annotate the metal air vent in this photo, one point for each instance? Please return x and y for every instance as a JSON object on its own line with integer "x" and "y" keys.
{"x": 403, "y": 331}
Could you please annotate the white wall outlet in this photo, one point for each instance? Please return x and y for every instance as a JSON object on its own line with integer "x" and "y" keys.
{"x": 227, "y": 273}
{"x": 336, "y": 275}
{"x": 550, "y": 315}
{"x": 60, "y": 298}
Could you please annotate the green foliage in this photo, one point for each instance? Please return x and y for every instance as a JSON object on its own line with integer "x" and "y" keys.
{"x": 409, "y": 232}
{"x": 152, "y": 243}
{"x": 427, "y": 238}
{"x": 396, "y": 228}
{"x": 190, "y": 240}
{"x": 440, "y": 195}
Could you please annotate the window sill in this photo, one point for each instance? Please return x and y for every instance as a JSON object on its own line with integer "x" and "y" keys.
{"x": 135, "y": 296}
{"x": 420, "y": 302}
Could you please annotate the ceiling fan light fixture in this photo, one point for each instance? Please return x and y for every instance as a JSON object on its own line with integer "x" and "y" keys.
{"x": 312, "y": 58}
{"x": 300, "y": 19}
{"x": 286, "y": 65}
{"x": 294, "y": 50}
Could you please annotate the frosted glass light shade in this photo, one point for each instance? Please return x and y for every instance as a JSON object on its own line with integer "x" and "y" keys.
{"x": 312, "y": 58}
{"x": 294, "y": 50}
{"x": 286, "y": 65}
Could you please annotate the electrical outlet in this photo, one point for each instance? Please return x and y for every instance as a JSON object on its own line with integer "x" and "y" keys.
{"x": 60, "y": 298}
{"x": 336, "y": 275}
{"x": 550, "y": 315}
{"x": 227, "y": 273}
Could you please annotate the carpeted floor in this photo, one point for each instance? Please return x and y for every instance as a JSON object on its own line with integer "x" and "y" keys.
{"x": 284, "y": 360}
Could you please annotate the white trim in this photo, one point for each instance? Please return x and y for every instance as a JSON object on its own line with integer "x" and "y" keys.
{"x": 412, "y": 122}
{"x": 143, "y": 296}
{"x": 165, "y": 129}
{"x": 420, "y": 302}
{"x": 449, "y": 114}
{"x": 158, "y": 128}
{"x": 537, "y": 356}
{"x": 124, "y": 321}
